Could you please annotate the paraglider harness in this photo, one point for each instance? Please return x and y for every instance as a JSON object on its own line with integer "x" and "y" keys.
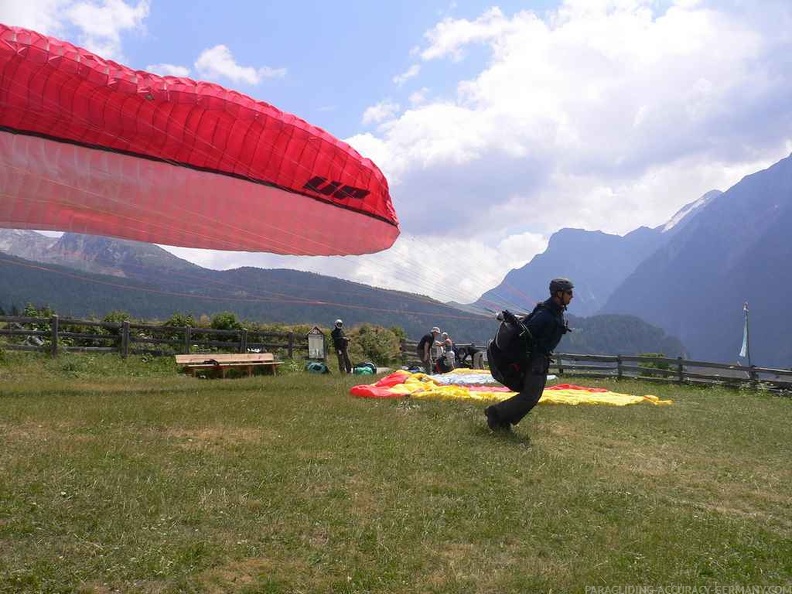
{"x": 509, "y": 352}
{"x": 442, "y": 364}
{"x": 466, "y": 354}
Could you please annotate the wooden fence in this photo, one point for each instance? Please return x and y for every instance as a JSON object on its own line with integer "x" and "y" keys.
{"x": 652, "y": 368}
{"x": 678, "y": 370}
{"x": 56, "y": 335}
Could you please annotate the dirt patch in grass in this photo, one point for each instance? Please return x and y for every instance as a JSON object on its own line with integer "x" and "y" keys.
{"x": 241, "y": 574}
{"x": 146, "y": 587}
{"x": 40, "y": 432}
{"x": 364, "y": 503}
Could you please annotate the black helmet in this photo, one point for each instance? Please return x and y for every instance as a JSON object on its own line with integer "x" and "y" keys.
{"x": 560, "y": 284}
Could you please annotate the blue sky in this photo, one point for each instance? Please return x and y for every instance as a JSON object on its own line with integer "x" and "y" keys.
{"x": 333, "y": 59}
{"x": 496, "y": 125}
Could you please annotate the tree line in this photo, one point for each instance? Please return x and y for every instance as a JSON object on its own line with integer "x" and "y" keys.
{"x": 368, "y": 342}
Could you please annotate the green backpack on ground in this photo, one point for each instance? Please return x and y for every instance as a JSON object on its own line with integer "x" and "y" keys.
{"x": 316, "y": 367}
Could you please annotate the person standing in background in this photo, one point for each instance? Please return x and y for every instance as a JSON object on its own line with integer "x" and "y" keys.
{"x": 340, "y": 344}
{"x": 449, "y": 350}
{"x": 425, "y": 346}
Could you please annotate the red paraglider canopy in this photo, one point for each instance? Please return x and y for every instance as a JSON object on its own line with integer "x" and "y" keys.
{"x": 90, "y": 146}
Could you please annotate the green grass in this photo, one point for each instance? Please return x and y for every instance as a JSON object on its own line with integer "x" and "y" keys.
{"x": 130, "y": 477}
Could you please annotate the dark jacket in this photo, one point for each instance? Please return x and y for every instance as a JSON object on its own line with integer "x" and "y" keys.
{"x": 422, "y": 343}
{"x": 547, "y": 326}
{"x": 339, "y": 339}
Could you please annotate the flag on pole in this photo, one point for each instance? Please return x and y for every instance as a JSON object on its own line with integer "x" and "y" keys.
{"x": 744, "y": 349}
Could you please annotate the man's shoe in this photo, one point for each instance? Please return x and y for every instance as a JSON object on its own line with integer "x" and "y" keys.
{"x": 492, "y": 418}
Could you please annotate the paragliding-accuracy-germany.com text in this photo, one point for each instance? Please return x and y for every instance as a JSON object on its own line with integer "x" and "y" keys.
{"x": 682, "y": 589}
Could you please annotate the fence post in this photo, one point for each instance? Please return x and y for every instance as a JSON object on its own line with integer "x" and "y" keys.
{"x": 243, "y": 340}
{"x": 187, "y": 339}
{"x": 619, "y": 369}
{"x": 54, "y": 329}
{"x": 124, "y": 339}
{"x": 680, "y": 370}
{"x": 291, "y": 345}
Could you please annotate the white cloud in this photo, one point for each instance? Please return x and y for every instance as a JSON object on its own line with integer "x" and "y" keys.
{"x": 520, "y": 248}
{"x": 453, "y": 269}
{"x": 384, "y": 110}
{"x": 218, "y": 63}
{"x": 44, "y": 16}
{"x": 450, "y": 37}
{"x": 603, "y": 115}
{"x": 419, "y": 97}
{"x": 411, "y": 72}
{"x": 99, "y": 25}
{"x": 169, "y": 70}
{"x": 103, "y": 24}
{"x": 607, "y": 114}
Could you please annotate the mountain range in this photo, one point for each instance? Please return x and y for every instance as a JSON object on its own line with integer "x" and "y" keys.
{"x": 689, "y": 277}
{"x": 598, "y": 262}
{"x": 86, "y": 276}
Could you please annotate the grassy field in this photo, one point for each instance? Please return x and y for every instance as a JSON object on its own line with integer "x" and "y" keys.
{"x": 129, "y": 477}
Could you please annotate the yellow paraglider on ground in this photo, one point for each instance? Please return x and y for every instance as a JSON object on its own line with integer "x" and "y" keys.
{"x": 467, "y": 384}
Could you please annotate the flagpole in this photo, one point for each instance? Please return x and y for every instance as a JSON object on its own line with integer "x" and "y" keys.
{"x": 745, "y": 351}
{"x": 747, "y": 335}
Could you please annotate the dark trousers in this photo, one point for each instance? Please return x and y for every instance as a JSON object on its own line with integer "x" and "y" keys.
{"x": 344, "y": 364}
{"x": 426, "y": 362}
{"x": 512, "y": 411}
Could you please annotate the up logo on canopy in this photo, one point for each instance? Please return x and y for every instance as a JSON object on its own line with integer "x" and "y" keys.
{"x": 321, "y": 185}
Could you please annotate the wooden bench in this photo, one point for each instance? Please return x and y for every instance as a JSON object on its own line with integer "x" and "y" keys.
{"x": 222, "y": 362}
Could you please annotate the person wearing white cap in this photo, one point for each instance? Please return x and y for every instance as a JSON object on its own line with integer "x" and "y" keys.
{"x": 340, "y": 344}
{"x": 424, "y": 349}
{"x": 449, "y": 350}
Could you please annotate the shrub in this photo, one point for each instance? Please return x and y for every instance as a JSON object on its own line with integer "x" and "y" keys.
{"x": 180, "y": 320}
{"x": 115, "y": 317}
{"x": 225, "y": 321}
{"x": 374, "y": 343}
{"x": 646, "y": 367}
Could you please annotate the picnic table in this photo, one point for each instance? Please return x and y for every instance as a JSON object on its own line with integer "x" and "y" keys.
{"x": 221, "y": 362}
